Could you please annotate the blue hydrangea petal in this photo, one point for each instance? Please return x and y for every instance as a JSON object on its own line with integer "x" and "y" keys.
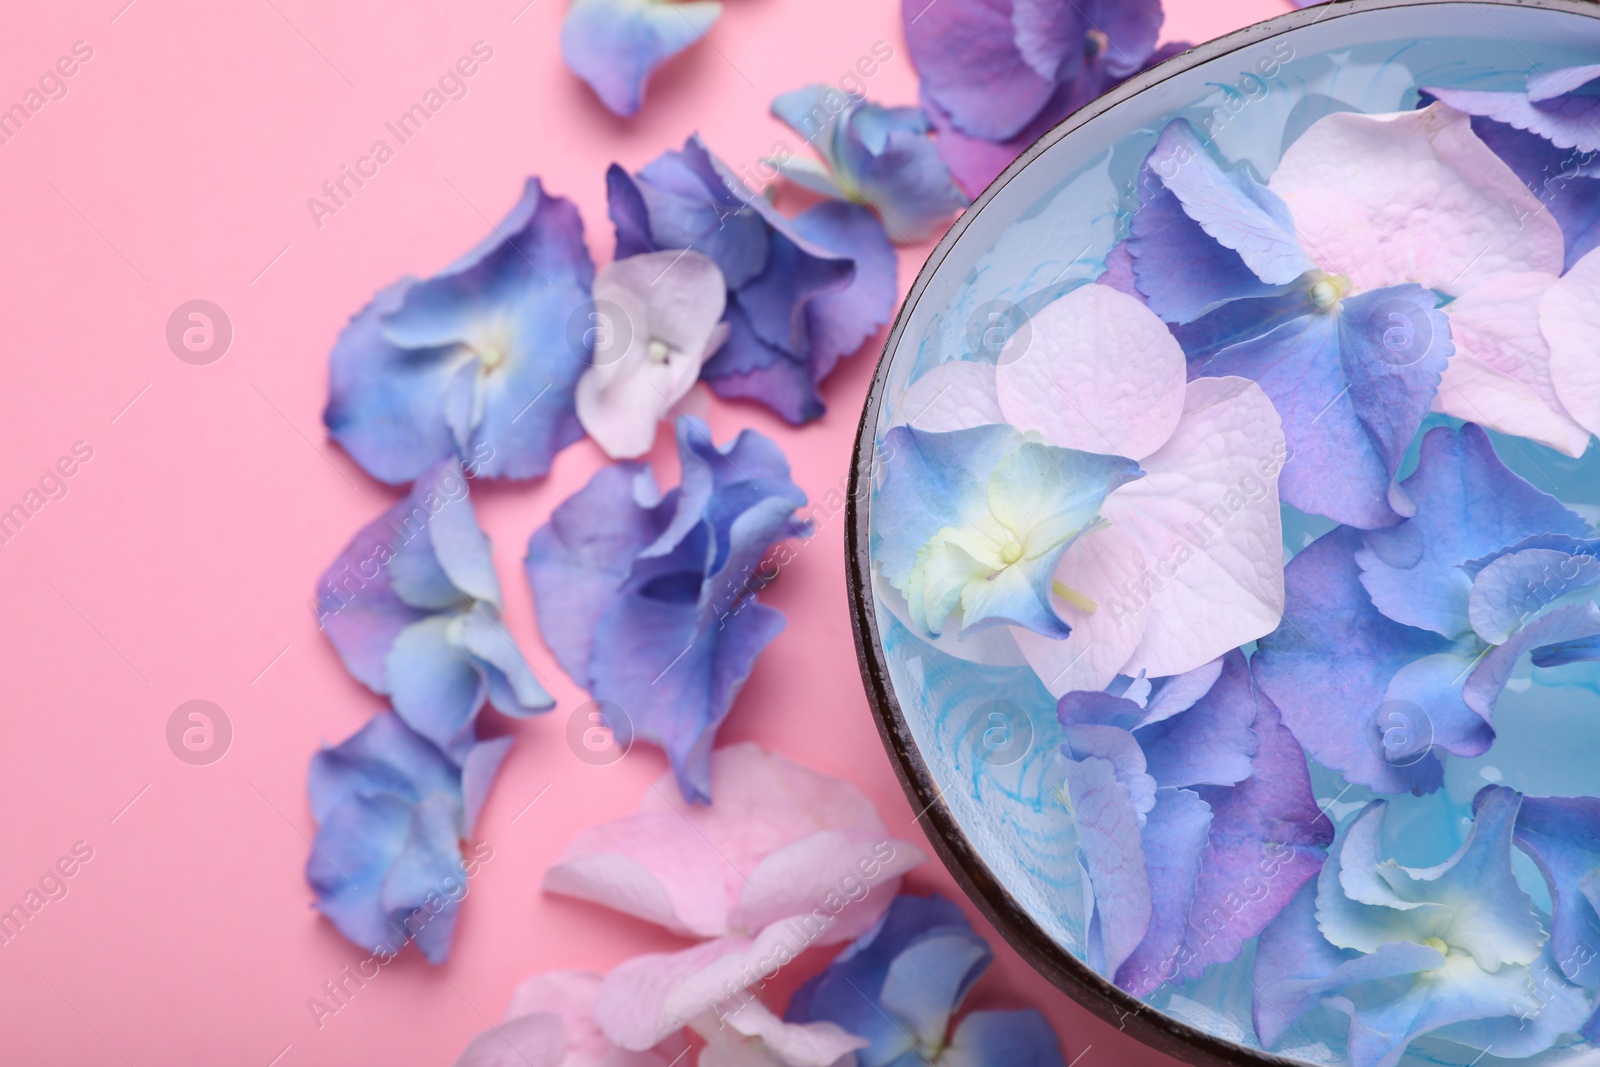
{"x": 1549, "y": 1008}
{"x": 675, "y": 672}
{"x": 511, "y": 298}
{"x": 459, "y": 543}
{"x": 435, "y": 688}
{"x": 1550, "y": 107}
{"x": 576, "y": 564}
{"x": 1469, "y": 505}
{"x": 1238, "y": 320}
{"x": 510, "y": 682}
{"x": 1292, "y": 960}
{"x": 840, "y": 320}
{"x": 1518, "y": 585}
{"x": 929, "y": 979}
{"x": 851, "y": 991}
{"x": 1049, "y": 36}
{"x": 386, "y": 864}
{"x": 615, "y": 45}
{"x": 1353, "y": 386}
{"x": 384, "y": 405}
{"x": 1562, "y": 835}
{"x": 477, "y": 775}
{"x": 1559, "y": 626}
{"x": 929, "y": 481}
{"x": 1003, "y": 1039}
{"x": 1092, "y": 707}
{"x": 428, "y": 867}
{"x": 1329, "y": 663}
{"x": 1211, "y": 743}
{"x": 1108, "y": 842}
{"x": 356, "y": 844}
{"x": 1174, "y": 836}
{"x": 747, "y": 368}
{"x": 1204, "y": 235}
{"x": 360, "y": 611}
{"x": 1433, "y": 685}
{"x": 1563, "y": 653}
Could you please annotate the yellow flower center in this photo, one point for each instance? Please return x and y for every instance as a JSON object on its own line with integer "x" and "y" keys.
{"x": 1438, "y": 944}
{"x": 1326, "y": 292}
{"x": 659, "y": 351}
{"x": 1010, "y": 552}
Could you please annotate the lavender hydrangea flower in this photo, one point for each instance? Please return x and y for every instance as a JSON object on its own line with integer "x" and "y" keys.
{"x": 1457, "y": 950}
{"x": 479, "y": 361}
{"x": 392, "y": 812}
{"x": 412, "y": 605}
{"x": 878, "y": 156}
{"x": 615, "y": 45}
{"x": 648, "y": 601}
{"x": 997, "y": 75}
{"x": 899, "y": 985}
{"x": 1397, "y": 643}
{"x": 802, "y": 292}
{"x": 1196, "y": 819}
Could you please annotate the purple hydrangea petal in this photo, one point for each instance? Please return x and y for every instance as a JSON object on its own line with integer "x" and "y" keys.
{"x": 1212, "y": 742}
{"x": 967, "y": 54}
{"x": 1563, "y": 180}
{"x": 615, "y": 45}
{"x": 1328, "y": 665}
{"x": 839, "y": 321}
{"x": 1268, "y": 837}
{"x": 1550, "y": 107}
{"x": 1173, "y": 839}
{"x": 1353, "y": 385}
{"x": 1469, "y": 505}
{"x": 649, "y": 601}
{"x": 577, "y": 562}
{"x": 1514, "y": 587}
{"x": 1562, "y": 835}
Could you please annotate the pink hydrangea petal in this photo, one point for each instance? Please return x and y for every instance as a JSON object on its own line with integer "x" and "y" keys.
{"x": 1499, "y": 376}
{"x": 554, "y": 1013}
{"x": 656, "y": 867}
{"x": 1413, "y": 196}
{"x": 800, "y": 877}
{"x": 685, "y": 867}
{"x": 952, "y": 396}
{"x": 1569, "y": 316}
{"x": 1097, "y": 371}
{"x": 1206, "y": 515}
{"x": 646, "y": 999}
{"x": 818, "y": 1044}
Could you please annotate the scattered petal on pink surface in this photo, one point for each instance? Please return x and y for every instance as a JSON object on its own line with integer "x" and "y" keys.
{"x": 1499, "y": 376}
{"x": 1569, "y": 315}
{"x": 777, "y": 842}
{"x": 1097, "y": 371}
{"x": 1413, "y": 196}
{"x": 668, "y": 309}
{"x": 550, "y": 1023}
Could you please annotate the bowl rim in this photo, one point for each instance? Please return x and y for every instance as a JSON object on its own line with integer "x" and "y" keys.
{"x": 1148, "y": 1025}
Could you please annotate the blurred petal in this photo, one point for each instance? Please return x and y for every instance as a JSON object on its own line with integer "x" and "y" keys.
{"x": 615, "y": 45}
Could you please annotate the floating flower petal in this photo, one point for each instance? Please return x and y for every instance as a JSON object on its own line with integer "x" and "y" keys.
{"x": 615, "y": 45}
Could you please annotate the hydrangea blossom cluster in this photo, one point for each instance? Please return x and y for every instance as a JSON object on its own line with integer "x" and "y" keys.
{"x": 1354, "y": 342}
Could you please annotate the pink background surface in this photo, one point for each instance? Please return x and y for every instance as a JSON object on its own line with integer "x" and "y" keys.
{"x": 179, "y": 564}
